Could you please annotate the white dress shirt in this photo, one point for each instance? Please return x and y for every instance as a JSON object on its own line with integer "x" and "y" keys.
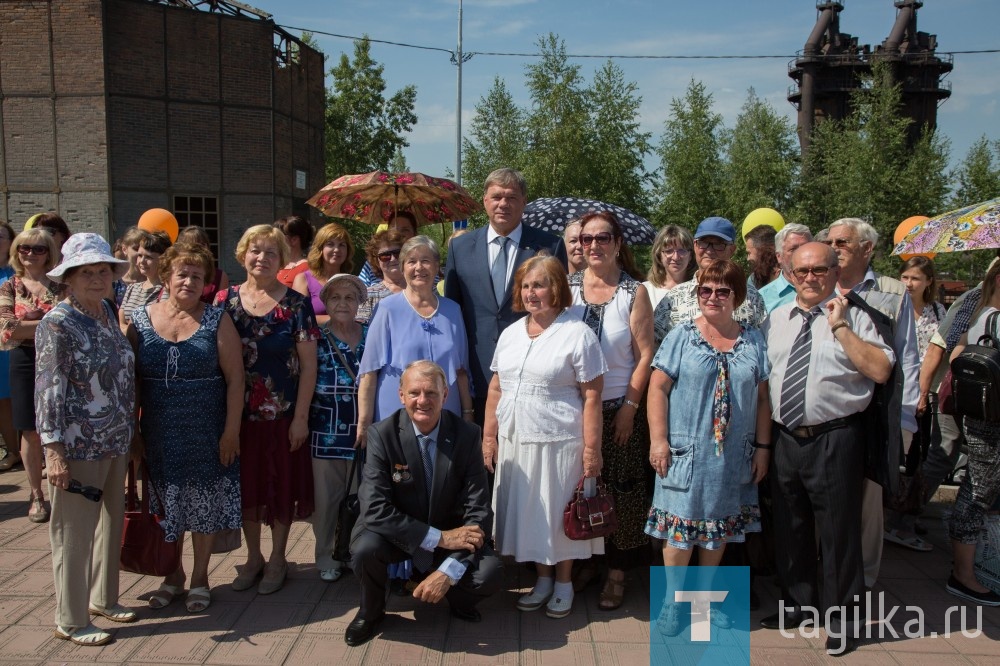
{"x": 513, "y": 243}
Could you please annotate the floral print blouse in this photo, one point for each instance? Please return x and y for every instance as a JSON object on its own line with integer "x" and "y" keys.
{"x": 927, "y": 325}
{"x": 84, "y": 384}
{"x": 16, "y": 301}
{"x": 269, "y": 357}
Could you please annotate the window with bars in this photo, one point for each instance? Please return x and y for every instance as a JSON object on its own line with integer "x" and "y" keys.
{"x": 200, "y": 212}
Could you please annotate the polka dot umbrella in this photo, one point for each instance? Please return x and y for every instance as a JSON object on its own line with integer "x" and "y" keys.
{"x": 553, "y": 213}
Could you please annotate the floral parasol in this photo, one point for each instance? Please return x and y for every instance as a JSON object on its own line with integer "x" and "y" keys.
{"x": 375, "y": 197}
{"x": 975, "y": 227}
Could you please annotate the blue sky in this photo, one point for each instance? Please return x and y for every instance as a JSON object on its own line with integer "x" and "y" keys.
{"x": 638, "y": 27}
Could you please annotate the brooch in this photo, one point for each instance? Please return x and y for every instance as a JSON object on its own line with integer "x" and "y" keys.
{"x": 401, "y": 473}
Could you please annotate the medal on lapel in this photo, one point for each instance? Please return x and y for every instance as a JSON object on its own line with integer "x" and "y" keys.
{"x": 401, "y": 473}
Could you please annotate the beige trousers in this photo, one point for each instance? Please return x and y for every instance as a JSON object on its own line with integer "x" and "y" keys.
{"x": 330, "y": 485}
{"x": 87, "y": 540}
{"x": 873, "y": 523}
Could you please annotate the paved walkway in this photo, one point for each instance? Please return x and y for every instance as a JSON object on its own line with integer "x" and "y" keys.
{"x": 304, "y": 623}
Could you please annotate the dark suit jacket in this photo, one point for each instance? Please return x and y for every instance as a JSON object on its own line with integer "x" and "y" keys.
{"x": 467, "y": 282}
{"x": 402, "y": 511}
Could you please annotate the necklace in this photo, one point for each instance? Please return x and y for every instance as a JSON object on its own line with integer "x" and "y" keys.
{"x": 426, "y": 318}
{"x": 79, "y": 306}
{"x": 262, "y": 296}
{"x": 527, "y": 329}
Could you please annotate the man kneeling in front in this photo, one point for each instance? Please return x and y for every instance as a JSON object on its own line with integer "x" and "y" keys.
{"x": 424, "y": 496}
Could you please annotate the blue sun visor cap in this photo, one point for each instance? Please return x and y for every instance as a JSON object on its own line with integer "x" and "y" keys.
{"x": 716, "y": 226}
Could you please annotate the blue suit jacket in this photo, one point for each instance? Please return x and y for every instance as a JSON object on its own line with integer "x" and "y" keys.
{"x": 468, "y": 283}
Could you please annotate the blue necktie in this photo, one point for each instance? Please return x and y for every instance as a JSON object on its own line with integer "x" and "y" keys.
{"x": 424, "y": 559}
{"x": 498, "y": 272}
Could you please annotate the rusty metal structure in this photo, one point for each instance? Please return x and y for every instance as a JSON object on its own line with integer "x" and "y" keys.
{"x": 832, "y": 64}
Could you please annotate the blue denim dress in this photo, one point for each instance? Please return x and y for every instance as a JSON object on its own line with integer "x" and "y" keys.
{"x": 707, "y": 498}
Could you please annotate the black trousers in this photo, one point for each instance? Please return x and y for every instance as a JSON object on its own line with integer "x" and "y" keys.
{"x": 371, "y": 554}
{"x": 816, "y": 485}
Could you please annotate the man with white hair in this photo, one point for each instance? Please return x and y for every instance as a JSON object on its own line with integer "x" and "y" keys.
{"x": 854, "y": 241}
{"x": 781, "y": 290}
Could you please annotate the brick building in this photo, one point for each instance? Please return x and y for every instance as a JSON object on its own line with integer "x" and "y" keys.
{"x": 111, "y": 107}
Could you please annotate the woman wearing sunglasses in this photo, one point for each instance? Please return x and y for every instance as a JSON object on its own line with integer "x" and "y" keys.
{"x": 708, "y": 454}
{"x": 617, "y": 309}
{"x": 24, "y": 300}
{"x": 383, "y": 257}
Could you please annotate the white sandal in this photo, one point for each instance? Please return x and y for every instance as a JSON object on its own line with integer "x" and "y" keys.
{"x": 89, "y": 635}
{"x": 198, "y": 599}
{"x": 116, "y": 613}
{"x": 164, "y": 595}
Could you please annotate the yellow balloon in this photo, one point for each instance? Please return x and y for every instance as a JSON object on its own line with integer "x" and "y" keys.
{"x": 762, "y": 217}
{"x": 31, "y": 221}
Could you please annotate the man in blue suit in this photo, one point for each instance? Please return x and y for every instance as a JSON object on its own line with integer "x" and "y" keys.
{"x": 481, "y": 267}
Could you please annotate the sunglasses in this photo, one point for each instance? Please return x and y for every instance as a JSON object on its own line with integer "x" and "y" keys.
{"x": 39, "y": 250}
{"x": 718, "y": 245}
{"x": 600, "y": 239}
{"x": 722, "y": 293}
{"x": 803, "y": 273}
{"x": 388, "y": 254}
{"x": 838, "y": 242}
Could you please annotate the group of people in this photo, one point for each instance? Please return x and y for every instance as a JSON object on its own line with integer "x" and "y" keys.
{"x": 470, "y": 404}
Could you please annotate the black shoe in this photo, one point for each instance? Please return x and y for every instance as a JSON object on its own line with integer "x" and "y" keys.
{"x": 466, "y": 614}
{"x": 791, "y": 620}
{"x": 955, "y": 587}
{"x": 919, "y": 529}
{"x": 838, "y": 647}
{"x": 754, "y": 600}
{"x": 360, "y": 630}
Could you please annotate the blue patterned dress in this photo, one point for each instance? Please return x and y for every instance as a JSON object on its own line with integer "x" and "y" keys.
{"x": 183, "y": 416}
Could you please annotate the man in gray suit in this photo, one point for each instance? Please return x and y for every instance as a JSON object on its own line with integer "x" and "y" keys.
{"x": 481, "y": 266}
{"x": 423, "y": 496}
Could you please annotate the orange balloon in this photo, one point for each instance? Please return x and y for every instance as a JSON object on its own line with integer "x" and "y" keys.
{"x": 905, "y": 227}
{"x": 159, "y": 219}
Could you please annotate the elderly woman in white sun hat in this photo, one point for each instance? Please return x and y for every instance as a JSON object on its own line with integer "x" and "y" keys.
{"x": 85, "y": 406}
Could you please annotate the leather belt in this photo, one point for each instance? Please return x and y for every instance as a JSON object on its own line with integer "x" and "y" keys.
{"x": 803, "y": 432}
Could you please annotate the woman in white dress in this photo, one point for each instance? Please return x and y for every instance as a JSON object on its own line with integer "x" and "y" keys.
{"x": 543, "y": 431}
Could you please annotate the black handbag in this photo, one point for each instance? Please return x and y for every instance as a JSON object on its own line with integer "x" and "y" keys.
{"x": 347, "y": 515}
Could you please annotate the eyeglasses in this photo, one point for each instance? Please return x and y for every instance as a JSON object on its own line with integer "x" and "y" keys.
{"x": 838, "y": 242}
{"x": 386, "y": 255}
{"x": 722, "y": 293}
{"x": 39, "y": 250}
{"x": 675, "y": 251}
{"x": 601, "y": 239}
{"x": 718, "y": 245}
{"x": 803, "y": 273}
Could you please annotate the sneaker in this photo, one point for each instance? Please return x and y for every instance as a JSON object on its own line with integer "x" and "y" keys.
{"x": 669, "y": 622}
{"x": 559, "y": 607}
{"x": 533, "y": 600}
{"x": 330, "y": 575}
{"x": 955, "y": 587}
{"x": 719, "y": 619}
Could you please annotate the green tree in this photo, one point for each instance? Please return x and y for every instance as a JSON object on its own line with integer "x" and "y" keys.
{"x": 761, "y": 160}
{"x": 691, "y": 184}
{"x": 558, "y": 124}
{"x": 617, "y": 172}
{"x": 498, "y": 138}
{"x": 977, "y": 178}
{"x": 364, "y": 127}
{"x": 867, "y": 167}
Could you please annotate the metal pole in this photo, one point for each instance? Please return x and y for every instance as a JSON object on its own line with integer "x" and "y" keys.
{"x": 458, "y": 102}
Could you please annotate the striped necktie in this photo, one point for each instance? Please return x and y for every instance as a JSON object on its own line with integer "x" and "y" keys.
{"x": 425, "y": 457}
{"x": 793, "y": 385}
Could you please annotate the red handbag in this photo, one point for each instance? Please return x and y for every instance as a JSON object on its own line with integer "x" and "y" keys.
{"x": 946, "y": 402}
{"x": 590, "y": 517}
{"x": 145, "y": 549}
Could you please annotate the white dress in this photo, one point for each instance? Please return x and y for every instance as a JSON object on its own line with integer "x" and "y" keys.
{"x": 540, "y": 457}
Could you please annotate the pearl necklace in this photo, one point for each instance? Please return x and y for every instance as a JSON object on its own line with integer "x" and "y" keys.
{"x": 79, "y": 306}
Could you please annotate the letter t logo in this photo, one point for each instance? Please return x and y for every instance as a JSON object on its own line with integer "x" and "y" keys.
{"x": 701, "y": 628}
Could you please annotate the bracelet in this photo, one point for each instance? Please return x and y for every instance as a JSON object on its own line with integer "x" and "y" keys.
{"x": 630, "y": 403}
{"x": 468, "y": 411}
{"x": 843, "y": 323}
{"x": 761, "y": 445}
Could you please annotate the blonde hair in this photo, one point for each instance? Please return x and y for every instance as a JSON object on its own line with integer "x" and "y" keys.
{"x": 329, "y": 232}
{"x": 263, "y": 232}
{"x": 34, "y": 235}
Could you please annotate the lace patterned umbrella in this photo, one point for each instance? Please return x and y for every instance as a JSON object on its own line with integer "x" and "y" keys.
{"x": 975, "y": 227}
{"x": 552, "y": 214}
{"x": 375, "y": 197}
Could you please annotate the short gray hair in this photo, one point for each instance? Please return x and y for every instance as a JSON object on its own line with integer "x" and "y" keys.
{"x": 507, "y": 177}
{"x": 864, "y": 230}
{"x": 428, "y": 369}
{"x": 788, "y": 230}
{"x": 417, "y": 242}
{"x": 572, "y": 223}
